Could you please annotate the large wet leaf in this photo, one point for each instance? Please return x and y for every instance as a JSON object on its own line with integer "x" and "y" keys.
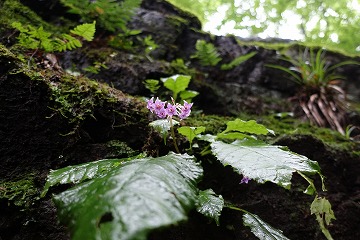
{"x": 132, "y": 199}
{"x": 261, "y": 229}
{"x": 210, "y": 205}
{"x": 262, "y": 162}
{"x": 80, "y": 173}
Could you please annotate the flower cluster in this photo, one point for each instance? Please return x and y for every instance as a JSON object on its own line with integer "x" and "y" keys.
{"x": 164, "y": 109}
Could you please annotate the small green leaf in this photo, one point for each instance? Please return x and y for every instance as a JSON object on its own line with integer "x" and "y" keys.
{"x": 187, "y": 95}
{"x": 132, "y": 199}
{"x": 321, "y": 207}
{"x": 210, "y": 205}
{"x": 176, "y": 84}
{"x": 262, "y": 162}
{"x": 190, "y": 132}
{"x": 261, "y": 229}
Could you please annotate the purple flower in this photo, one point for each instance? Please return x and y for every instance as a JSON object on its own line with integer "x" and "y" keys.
{"x": 245, "y": 180}
{"x": 151, "y": 104}
{"x": 175, "y": 109}
{"x": 187, "y": 106}
{"x": 171, "y": 110}
{"x": 184, "y": 113}
{"x": 161, "y": 113}
{"x": 185, "y": 110}
{"x": 158, "y": 105}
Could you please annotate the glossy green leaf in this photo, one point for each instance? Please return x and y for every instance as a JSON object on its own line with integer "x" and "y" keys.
{"x": 80, "y": 173}
{"x": 210, "y": 205}
{"x": 238, "y": 129}
{"x": 131, "y": 200}
{"x": 261, "y": 229}
{"x": 262, "y": 162}
{"x": 176, "y": 83}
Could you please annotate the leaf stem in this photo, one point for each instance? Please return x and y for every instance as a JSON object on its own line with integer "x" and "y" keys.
{"x": 173, "y": 135}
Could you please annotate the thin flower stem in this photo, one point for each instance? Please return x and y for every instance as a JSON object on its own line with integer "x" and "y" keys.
{"x": 173, "y": 135}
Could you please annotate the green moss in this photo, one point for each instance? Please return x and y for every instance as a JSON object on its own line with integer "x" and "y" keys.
{"x": 21, "y": 192}
{"x": 176, "y": 20}
{"x": 213, "y": 123}
{"x": 119, "y": 149}
{"x": 285, "y": 124}
{"x": 76, "y": 97}
{"x": 13, "y": 10}
{"x": 7, "y": 58}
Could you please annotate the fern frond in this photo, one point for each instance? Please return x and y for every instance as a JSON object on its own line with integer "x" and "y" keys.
{"x": 206, "y": 53}
{"x": 27, "y": 41}
{"x": 86, "y": 30}
{"x": 37, "y": 38}
{"x": 44, "y": 38}
{"x": 67, "y": 42}
{"x": 110, "y": 14}
{"x": 129, "y": 7}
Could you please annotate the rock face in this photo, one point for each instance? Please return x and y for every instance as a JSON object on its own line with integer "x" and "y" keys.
{"x": 35, "y": 133}
{"x": 49, "y": 119}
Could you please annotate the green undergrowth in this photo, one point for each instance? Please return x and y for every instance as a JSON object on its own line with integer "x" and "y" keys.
{"x": 20, "y": 192}
{"x": 282, "y": 124}
{"x": 285, "y": 124}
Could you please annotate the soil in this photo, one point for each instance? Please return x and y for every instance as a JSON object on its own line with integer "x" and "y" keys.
{"x": 35, "y": 139}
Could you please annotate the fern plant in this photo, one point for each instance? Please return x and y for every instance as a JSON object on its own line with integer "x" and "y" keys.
{"x": 206, "y": 53}
{"x": 38, "y": 39}
{"x": 111, "y": 15}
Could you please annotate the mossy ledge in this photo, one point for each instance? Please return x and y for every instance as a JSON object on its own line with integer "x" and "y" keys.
{"x": 48, "y": 114}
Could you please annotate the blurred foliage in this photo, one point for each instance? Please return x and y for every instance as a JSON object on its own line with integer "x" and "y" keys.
{"x": 328, "y": 23}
